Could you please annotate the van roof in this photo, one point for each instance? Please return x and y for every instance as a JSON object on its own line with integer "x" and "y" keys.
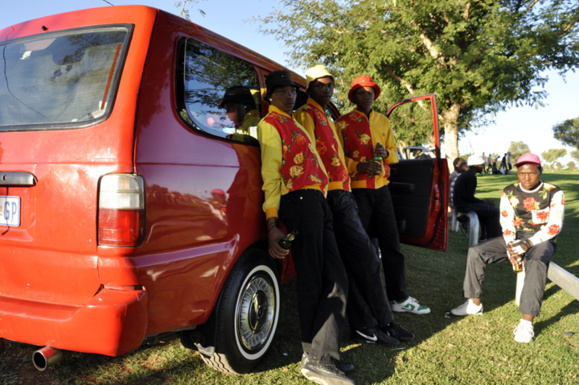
{"x": 81, "y": 18}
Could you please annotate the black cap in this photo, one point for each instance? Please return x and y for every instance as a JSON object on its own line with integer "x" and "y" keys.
{"x": 280, "y": 78}
{"x": 237, "y": 94}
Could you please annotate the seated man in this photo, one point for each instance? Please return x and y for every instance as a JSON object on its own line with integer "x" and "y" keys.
{"x": 459, "y": 167}
{"x": 465, "y": 201}
{"x": 531, "y": 218}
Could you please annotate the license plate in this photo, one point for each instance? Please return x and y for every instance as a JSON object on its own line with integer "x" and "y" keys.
{"x": 10, "y": 215}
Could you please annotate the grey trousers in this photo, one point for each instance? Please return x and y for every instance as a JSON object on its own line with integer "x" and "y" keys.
{"x": 536, "y": 262}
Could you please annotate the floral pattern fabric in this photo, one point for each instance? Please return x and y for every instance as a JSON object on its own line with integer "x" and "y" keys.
{"x": 540, "y": 211}
{"x": 327, "y": 146}
{"x": 358, "y": 144}
{"x": 300, "y": 167}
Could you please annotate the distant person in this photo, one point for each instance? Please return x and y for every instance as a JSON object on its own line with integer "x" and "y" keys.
{"x": 509, "y": 165}
{"x": 485, "y": 164}
{"x": 504, "y": 165}
{"x": 532, "y": 214}
{"x": 464, "y": 199}
{"x": 495, "y": 168}
{"x": 459, "y": 167}
{"x": 489, "y": 163}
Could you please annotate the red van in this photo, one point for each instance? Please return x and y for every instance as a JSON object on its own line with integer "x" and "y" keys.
{"x": 130, "y": 188}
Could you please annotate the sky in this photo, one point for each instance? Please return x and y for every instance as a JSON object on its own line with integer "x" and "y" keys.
{"x": 231, "y": 19}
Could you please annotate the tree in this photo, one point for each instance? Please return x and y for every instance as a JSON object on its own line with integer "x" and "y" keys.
{"x": 568, "y": 132}
{"x": 571, "y": 165}
{"x": 477, "y": 56}
{"x": 517, "y": 149}
{"x": 575, "y": 155}
{"x": 552, "y": 155}
{"x": 184, "y": 5}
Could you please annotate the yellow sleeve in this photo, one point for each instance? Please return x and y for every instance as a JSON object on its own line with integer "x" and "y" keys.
{"x": 382, "y": 133}
{"x": 306, "y": 122}
{"x": 271, "y": 158}
{"x": 390, "y": 144}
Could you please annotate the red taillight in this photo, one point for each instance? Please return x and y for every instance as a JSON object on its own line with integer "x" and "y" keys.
{"x": 121, "y": 210}
{"x": 121, "y": 227}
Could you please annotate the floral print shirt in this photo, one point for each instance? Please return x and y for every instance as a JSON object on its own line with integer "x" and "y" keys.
{"x": 328, "y": 143}
{"x": 289, "y": 160}
{"x": 360, "y": 136}
{"x": 540, "y": 211}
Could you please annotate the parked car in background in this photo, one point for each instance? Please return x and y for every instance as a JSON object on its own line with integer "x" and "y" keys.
{"x": 131, "y": 189}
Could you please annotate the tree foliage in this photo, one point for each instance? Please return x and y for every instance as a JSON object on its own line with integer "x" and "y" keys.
{"x": 517, "y": 149}
{"x": 575, "y": 155}
{"x": 477, "y": 56}
{"x": 553, "y": 154}
{"x": 568, "y": 132}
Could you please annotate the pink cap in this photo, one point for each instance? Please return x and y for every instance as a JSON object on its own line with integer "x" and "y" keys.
{"x": 528, "y": 158}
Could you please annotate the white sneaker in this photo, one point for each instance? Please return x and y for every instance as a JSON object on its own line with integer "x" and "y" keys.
{"x": 468, "y": 308}
{"x": 410, "y": 305}
{"x": 525, "y": 332}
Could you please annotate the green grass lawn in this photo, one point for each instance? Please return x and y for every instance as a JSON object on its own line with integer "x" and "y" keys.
{"x": 448, "y": 350}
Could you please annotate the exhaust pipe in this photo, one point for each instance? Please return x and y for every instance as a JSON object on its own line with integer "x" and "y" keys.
{"x": 45, "y": 357}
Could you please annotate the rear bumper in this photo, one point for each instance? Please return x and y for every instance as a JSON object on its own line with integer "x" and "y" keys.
{"x": 112, "y": 323}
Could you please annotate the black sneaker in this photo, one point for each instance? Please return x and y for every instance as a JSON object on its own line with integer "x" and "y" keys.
{"x": 324, "y": 373}
{"x": 375, "y": 336}
{"x": 397, "y": 331}
{"x": 340, "y": 364}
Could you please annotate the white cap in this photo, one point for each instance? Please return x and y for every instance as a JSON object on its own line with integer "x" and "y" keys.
{"x": 474, "y": 160}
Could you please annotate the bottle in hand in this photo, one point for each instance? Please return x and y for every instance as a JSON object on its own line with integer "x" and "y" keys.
{"x": 286, "y": 242}
{"x": 518, "y": 266}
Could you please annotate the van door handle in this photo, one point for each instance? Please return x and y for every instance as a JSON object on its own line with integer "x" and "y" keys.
{"x": 17, "y": 179}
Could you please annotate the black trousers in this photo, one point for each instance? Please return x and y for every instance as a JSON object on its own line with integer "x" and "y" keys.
{"x": 377, "y": 216}
{"x": 322, "y": 283}
{"x": 488, "y": 216}
{"x": 368, "y": 304}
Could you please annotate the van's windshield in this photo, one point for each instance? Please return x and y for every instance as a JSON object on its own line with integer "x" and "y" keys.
{"x": 60, "y": 80}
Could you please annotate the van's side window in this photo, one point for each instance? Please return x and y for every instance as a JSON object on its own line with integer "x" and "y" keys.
{"x": 220, "y": 93}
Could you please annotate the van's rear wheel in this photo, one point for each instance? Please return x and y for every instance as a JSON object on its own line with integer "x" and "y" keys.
{"x": 247, "y": 315}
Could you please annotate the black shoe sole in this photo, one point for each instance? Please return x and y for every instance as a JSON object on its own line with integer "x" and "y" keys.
{"x": 395, "y": 341}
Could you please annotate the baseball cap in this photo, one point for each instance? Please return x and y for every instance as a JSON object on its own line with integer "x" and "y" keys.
{"x": 528, "y": 158}
{"x": 316, "y": 72}
{"x": 473, "y": 160}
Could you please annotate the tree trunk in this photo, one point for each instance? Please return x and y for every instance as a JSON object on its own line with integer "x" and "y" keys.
{"x": 450, "y": 123}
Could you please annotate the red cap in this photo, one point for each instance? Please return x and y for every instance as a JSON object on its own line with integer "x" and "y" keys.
{"x": 363, "y": 81}
{"x": 528, "y": 158}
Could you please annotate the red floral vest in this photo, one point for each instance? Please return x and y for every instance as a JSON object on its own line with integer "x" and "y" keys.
{"x": 325, "y": 140}
{"x": 299, "y": 167}
{"x": 358, "y": 144}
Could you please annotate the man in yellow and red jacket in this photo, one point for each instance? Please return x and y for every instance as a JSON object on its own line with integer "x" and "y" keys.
{"x": 295, "y": 185}
{"x": 370, "y": 148}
